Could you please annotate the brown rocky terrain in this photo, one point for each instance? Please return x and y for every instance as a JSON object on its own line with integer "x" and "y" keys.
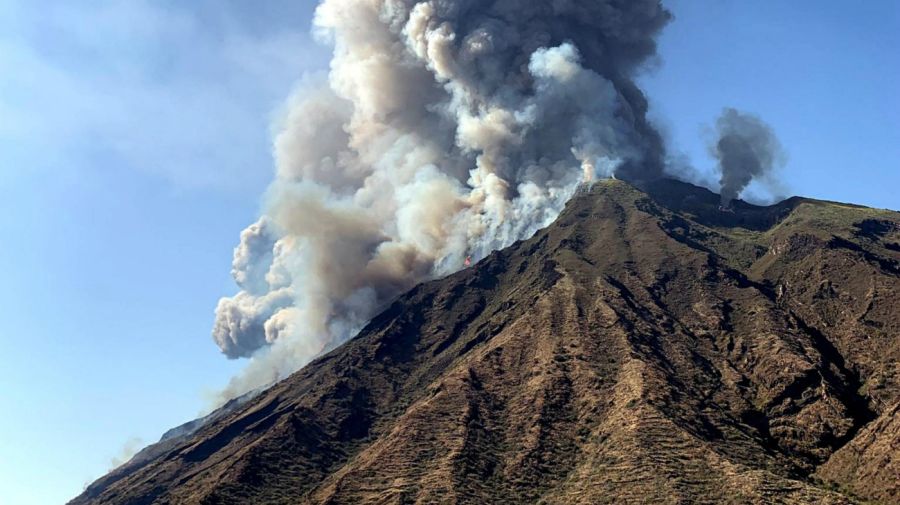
{"x": 645, "y": 348}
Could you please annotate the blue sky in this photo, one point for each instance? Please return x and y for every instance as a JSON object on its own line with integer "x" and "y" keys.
{"x": 824, "y": 74}
{"x": 135, "y": 145}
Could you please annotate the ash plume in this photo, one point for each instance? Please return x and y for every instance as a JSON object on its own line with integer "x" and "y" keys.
{"x": 746, "y": 148}
{"x": 445, "y": 129}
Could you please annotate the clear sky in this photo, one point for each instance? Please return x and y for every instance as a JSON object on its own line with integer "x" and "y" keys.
{"x": 135, "y": 145}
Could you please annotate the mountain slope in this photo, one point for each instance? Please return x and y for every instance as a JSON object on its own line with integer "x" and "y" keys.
{"x": 645, "y": 348}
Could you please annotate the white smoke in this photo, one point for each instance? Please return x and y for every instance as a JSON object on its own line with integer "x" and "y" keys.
{"x": 445, "y": 129}
{"x": 131, "y": 447}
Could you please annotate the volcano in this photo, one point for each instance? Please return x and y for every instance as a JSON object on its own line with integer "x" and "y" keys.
{"x": 645, "y": 348}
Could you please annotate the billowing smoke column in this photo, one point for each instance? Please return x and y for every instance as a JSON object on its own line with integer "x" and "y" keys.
{"x": 445, "y": 129}
{"x": 746, "y": 148}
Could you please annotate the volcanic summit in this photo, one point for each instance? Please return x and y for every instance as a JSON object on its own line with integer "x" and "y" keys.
{"x": 645, "y": 348}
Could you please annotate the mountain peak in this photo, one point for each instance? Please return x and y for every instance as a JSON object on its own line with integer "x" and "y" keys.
{"x": 648, "y": 347}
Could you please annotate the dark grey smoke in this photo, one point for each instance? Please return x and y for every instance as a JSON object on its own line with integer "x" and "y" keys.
{"x": 746, "y": 148}
{"x": 613, "y": 38}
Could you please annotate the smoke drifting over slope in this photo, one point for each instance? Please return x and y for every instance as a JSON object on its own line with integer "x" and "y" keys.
{"x": 445, "y": 129}
{"x": 746, "y": 149}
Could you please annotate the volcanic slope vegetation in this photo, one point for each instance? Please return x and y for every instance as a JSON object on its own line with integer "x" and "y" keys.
{"x": 645, "y": 348}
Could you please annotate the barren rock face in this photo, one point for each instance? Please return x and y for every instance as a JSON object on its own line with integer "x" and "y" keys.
{"x": 645, "y": 348}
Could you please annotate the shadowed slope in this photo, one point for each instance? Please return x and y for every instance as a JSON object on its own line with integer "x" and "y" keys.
{"x": 643, "y": 349}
